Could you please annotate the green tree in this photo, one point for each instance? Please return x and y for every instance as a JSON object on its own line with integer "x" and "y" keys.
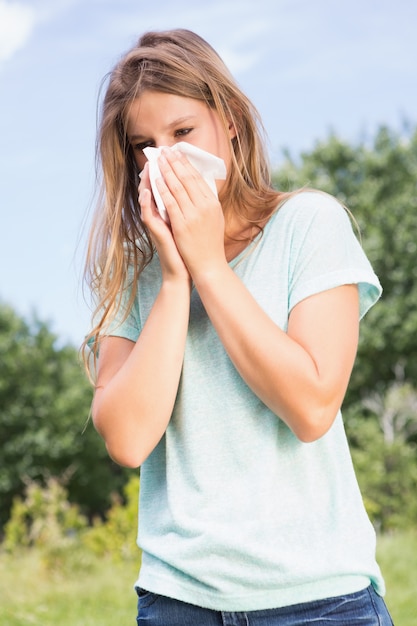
{"x": 384, "y": 453}
{"x": 386, "y": 471}
{"x": 377, "y": 182}
{"x": 44, "y": 406}
{"x": 395, "y": 410}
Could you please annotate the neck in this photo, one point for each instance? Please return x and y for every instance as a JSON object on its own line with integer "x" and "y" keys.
{"x": 239, "y": 233}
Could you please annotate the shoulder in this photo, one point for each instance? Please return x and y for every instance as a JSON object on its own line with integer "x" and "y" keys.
{"x": 311, "y": 202}
{"x": 323, "y": 248}
{"x": 310, "y": 211}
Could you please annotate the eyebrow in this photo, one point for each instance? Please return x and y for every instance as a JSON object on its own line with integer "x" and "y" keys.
{"x": 176, "y": 122}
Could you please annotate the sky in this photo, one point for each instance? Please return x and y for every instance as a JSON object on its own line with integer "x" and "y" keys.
{"x": 310, "y": 67}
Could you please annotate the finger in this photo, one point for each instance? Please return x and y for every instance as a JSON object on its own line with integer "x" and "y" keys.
{"x": 175, "y": 165}
{"x": 174, "y": 188}
{"x": 145, "y": 182}
{"x": 145, "y": 185}
{"x": 145, "y": 202}
{"x": 172, "y": 196}
{"x": 148, "y": 209}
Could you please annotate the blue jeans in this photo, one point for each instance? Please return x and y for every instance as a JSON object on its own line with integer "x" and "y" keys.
{"x": 363, "y": 608}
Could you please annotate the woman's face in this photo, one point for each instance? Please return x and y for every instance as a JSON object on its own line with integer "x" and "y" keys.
{"x": 159, "y": 119}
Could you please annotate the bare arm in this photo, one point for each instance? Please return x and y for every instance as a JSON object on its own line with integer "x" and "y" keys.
{"x": 137, "y": 382}
{"x": 301, "y": 375}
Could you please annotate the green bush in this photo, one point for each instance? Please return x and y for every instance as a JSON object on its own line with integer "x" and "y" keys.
{"x": 386, "y": 471}
{"x": 116, "y": 535}
{"x": 43, "y": 517}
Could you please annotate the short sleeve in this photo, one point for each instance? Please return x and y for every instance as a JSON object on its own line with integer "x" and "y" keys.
{"x": 325, "y": 252}
{"x": 126, "y": 320}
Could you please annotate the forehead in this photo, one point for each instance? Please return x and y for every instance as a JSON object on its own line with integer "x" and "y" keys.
{"x": 156, "y": 109}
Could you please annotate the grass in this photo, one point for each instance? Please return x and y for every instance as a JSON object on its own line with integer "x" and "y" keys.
{"x": 86, "y": 591}
{"x": 397, "y": 556}
{"x": 96, "y": 592}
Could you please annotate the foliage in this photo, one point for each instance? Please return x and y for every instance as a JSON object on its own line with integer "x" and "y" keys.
{"x": 45, "y": 520}
{"x": 396, "y": 410}
{"x": 386, "y": 470}
{"x": 377, "y": 181}
{"x": 45, "y": 396}
{"x": 115, "y": 536}
{"x": 44, "y": 405}
{"x": 44, "y": 516}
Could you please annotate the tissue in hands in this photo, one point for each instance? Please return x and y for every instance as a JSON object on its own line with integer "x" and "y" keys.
{"x": 211, "y": 168}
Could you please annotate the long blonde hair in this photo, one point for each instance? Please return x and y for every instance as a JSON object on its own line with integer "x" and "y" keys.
{"x": 176, "y": 62}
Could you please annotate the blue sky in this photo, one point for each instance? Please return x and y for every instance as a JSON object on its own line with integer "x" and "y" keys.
{"x": 310, "y": 67}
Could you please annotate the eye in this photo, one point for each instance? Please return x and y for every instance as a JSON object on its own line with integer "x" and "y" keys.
{"x": 138, "y": 147}
{"x": 182, "y": 132}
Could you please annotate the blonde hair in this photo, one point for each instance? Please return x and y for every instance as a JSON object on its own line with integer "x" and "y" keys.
{"x": 175, "y": 62}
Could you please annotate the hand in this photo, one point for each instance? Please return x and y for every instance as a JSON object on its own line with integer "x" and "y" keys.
{"x": 195, "y": 214}
{"x": 172, "y": 265}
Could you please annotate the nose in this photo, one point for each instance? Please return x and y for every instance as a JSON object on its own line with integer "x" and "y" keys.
{"x": 164, "y": 142}
{"x": 157, "y": 142}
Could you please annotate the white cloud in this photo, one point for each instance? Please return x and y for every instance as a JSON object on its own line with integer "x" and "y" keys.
{"x": 240, "y": 46}
{"x": 16, "y": 25}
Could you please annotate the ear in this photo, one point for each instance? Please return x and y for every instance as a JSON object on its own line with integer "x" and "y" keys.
{"x": 231, "y": 112}
{"x": 232, "y": 129}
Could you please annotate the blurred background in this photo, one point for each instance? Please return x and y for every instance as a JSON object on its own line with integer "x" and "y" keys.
{"x": 336, "y": 86}
{"x": 309, "y": 67}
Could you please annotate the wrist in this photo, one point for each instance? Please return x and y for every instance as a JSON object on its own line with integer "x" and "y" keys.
{"x": 177, "y": 284}
{"x": 212, "y": 275}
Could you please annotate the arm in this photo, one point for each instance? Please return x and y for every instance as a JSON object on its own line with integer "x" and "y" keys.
{"x": 300, "y": 375}
{"x": 137, "y": 382}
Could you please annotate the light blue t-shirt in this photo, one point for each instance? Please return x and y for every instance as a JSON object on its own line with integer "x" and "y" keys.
{"x": 237, "y": 514}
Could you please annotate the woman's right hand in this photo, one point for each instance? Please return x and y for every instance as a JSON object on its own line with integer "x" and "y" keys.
{"x": 172, "y": 264}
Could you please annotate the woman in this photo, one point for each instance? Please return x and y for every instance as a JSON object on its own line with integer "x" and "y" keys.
{"x": 226, "y": 338}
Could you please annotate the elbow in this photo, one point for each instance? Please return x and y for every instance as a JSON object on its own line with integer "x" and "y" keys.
{"x": 313, "y": 425}
{"x": 309, "y": 434}
{"x": 124, "y": 456}
{"x": 122, "y": 448}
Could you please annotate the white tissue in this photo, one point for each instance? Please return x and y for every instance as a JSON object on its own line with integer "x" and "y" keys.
{"x": 211, "y": 168}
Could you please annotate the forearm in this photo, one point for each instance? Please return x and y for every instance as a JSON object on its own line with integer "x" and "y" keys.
{"x": 282, "y": 371}
{"x": 132, "y": 409}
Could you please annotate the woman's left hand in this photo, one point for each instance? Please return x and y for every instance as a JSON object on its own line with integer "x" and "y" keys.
{"x": 195, "y": 214}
